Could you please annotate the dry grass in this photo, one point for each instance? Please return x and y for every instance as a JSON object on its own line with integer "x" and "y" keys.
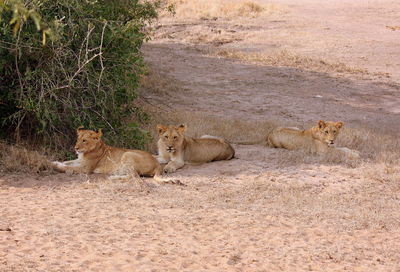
{"x": 14, "y": 158}
{"x": 199, "y": 124}
{"x": 287, "y": 59}
{"x": 156, "y": 84}
{"x": 379, "y": 146}
{"x": 212, "y": 9}
{"x": 113, "y": 189}
{"x": 393, "y": 28}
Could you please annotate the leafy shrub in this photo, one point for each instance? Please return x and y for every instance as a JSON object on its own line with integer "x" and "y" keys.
{"x": 68, "y": 63}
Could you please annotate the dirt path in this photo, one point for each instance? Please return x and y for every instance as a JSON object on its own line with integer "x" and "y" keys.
{"x": 268, "y": 209}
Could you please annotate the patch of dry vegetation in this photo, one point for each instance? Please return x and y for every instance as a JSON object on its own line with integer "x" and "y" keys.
{"x": 155, "y": 84}
{"x": 14, "y": 158}
{"x": 287, "y": 59}
{"x": 380, "y": 146}
{"x": 116, "y": 188}
{"x": 343, "y": 211}
{"x": 211, "y": 22}
{"x": 212, "y": 9}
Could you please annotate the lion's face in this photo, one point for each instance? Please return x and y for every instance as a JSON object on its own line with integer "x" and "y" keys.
{"x": 171, "y": 137}
{"x": 328, "y": 131}
{"x": 88, "y": 140}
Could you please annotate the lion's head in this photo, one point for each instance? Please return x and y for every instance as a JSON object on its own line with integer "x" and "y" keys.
{"x": 88, "y": 140}
{"x": 171, "y": 137}
{"x": 328, "y": 131}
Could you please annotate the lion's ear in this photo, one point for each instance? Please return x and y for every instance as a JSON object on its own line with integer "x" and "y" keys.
{"x": 161, "y": 129}
{"x": 100, "y": 132}
{"x": 79, "y": 129}
{"x": 339, "y": 125}
{"x": 181, "y": 128}
{"x": 321, "y": 124}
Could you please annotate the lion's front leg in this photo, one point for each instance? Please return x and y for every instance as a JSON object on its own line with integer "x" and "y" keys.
{"x": 73, "y": 166}
{"x": 163, "y": 157}
{"x": 59, "y": 166}
{"x": 349, "y": 153}
{"x": 173, "y": 165}
{"x": 319, "y": 147}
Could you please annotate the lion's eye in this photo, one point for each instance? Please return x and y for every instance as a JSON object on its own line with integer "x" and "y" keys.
{"x": 334, "y": 132}
{"x": 326, "y": 132}
{"x": 83, "y": 141}
{"x": 166, "y": 137}
{"x": 175, "y": 137}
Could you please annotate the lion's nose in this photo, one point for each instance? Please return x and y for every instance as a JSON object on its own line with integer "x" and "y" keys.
{"x": 331, "y": 142}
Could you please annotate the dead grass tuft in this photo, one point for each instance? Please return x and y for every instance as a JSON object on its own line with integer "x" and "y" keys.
{"x": 116, "y": 188}
{"x": 384, "y": 173}
{"x": 379, "y": 146}
{"x": 156, "y": 84}
{"x": 14, "y": 158}
{"x": 287, "y": 59}
{"x": 212, "y": 9}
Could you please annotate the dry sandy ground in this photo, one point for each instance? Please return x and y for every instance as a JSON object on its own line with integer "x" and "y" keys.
{"x": 268, "y": 209}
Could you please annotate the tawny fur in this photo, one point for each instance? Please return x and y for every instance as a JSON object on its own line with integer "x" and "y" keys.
{"x": 318, "y": 139}
{"x": 176, "y": 149}
{"x": 94, "y": 156}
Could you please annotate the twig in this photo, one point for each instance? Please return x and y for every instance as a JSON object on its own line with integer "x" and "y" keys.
{"x": 101, "y": 56}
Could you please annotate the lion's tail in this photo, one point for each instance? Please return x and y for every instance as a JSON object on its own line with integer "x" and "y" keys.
{"x": 266, "y": 141}
{"x": 256, "y": 142}
{"x": 249, "y": 142}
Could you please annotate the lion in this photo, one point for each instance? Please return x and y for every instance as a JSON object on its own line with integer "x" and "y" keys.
{"x": 176, "y": 149}
{"x": 318, "y": 139}
{"x": 94, "y": 156}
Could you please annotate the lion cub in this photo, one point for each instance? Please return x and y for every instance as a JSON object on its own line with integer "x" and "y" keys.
{"x": 318, "y": 139}
{"x": 94, "y": 156}
{"x": 176, "y": 149}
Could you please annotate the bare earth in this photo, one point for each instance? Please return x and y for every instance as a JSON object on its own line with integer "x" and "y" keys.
{"x": 268, "y": 209}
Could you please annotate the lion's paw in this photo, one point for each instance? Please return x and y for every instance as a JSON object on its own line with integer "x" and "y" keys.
{"x": 353, "y": 154}
{"x": 169, "y": 169}
{"x": 57, "y": 163}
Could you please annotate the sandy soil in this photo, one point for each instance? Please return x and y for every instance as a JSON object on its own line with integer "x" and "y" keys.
{"x": 266, "y": 210}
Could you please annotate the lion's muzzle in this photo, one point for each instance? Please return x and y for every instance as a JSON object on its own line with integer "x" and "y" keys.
{"x": 331, "y": 143}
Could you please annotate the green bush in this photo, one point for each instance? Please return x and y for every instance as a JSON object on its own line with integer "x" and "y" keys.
{"x": 69, "y": 63}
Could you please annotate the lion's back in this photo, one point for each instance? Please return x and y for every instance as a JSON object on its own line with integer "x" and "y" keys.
{"x": 115, "y": 158}
{"x": 207, "y": 149}
{"x": 289, "y": 138}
